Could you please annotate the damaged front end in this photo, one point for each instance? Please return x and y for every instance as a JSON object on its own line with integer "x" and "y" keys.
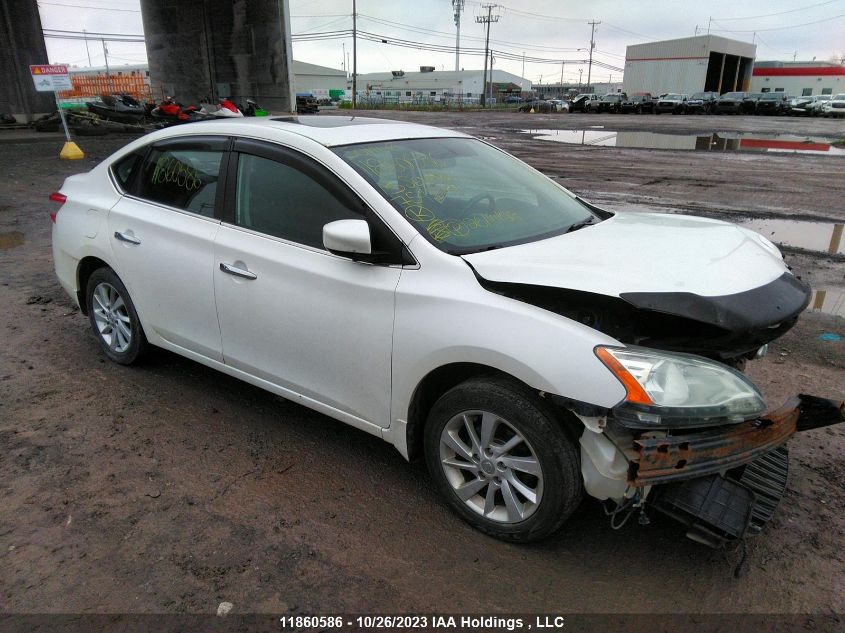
{"x": 722, "y": 482}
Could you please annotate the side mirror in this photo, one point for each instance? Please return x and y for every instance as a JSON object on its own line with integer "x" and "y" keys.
{"x": 347, "y": 237}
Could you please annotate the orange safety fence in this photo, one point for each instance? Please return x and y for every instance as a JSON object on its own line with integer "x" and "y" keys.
{"x": 96, "y": 85}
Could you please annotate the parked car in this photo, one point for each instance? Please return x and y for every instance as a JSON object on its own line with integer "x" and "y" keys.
{"x": 701, "y": 103}
{"x": 638, "y": 102}
{"x": 611, "y": 102}
{"x": 583, "y": 102}
{"x": 430, "y": 289}
{"x": 731, "y": 103}
{"x": 798, "y": 105}
{"x": 538, "y": 105}
{"x": 772, "y": 103}
{"x": 560, "y": 105}
{"x": 835, "y": 107}
{"x": 513, "y": 99}
{"x": 672, "y": 102}
{"x": 815, "y": 108}
{"x": 749, "y": 104}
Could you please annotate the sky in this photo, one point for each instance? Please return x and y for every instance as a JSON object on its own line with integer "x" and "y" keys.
{"x": 551, "y": 30}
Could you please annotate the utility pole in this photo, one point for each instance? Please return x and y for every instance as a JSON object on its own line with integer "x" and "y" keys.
{"x": 343, "y": 59}
{"x": 561, "y": 75}
{"x": 593, "y": 25}
{"x": 487, "y": 19}
{"x": 354, "y": 54}
{"x": 106, "y": 58}
{"x": 709, "y": 22}
{"x": 85, "y": 35}
{"x": 458, "y": 6}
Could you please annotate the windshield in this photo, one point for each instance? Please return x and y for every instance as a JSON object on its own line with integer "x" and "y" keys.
{"x": 463, "y": 195}
{"x": 701, "y": 95}
{"x": 733, "y": 95}
{"x": 674, "y": 97}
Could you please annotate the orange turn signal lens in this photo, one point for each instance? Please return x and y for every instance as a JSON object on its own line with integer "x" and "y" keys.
{"x": 635, "y": 390}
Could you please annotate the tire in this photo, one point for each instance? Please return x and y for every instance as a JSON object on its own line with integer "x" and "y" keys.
{"x": 113, "y": 318}
{"x": 511, "y": 410}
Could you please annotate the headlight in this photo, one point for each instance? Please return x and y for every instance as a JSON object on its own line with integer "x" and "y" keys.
{"x": 665, "y": 389}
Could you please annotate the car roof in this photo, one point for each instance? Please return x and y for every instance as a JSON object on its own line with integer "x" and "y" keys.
{"x": 328, "y": 130}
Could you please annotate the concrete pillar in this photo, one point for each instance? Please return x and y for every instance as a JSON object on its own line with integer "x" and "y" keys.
{"x": 207, "y": 49}
{"x": 21, "y": 44}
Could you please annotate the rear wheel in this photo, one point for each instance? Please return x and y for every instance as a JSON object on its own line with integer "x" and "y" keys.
{"x": 500, "y": 458}
{"x": 113, "y": 318}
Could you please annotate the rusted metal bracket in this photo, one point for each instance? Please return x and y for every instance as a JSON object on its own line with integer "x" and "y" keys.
{"x": 677, "y": 457}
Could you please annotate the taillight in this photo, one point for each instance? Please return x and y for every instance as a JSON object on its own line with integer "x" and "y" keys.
{"x": 61, "y": 199}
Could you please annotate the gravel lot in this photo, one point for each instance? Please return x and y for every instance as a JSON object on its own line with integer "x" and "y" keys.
{"x": 169, "y": 488}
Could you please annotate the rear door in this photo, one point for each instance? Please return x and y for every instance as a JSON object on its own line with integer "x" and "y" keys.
{"x": 162, "y": 235}
{"x": 290, "y": 312}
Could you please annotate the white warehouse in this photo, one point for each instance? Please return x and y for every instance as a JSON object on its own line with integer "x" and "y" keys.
{"x": 798, "y": 78}
{"x": 689, "y": 65}
{"x": 433, "y": 85}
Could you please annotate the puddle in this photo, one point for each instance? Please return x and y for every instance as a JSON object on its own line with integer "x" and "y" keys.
{"x": 11, "y": 240}
{"x": 720, "y": 141}
{"x": 829, "y": 301}
{"x": 813, "y": 236}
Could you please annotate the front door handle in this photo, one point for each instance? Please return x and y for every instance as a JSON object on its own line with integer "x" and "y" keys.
{"x": 125, "y": 237}
{"x": 237, "y": 272}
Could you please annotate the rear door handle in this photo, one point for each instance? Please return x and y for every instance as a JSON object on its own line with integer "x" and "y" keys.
{"x": 237, "y": 272}
{"x": 124, "y": 237}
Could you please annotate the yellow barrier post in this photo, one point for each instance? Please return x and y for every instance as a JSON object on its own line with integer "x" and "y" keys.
{"x": 70, "y": 150}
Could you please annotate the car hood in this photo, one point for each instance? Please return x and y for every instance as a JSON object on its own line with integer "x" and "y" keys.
{"x": 640, "y": 253}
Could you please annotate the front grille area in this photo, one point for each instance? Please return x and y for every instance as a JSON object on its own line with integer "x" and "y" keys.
{"x": 766, "y": 478}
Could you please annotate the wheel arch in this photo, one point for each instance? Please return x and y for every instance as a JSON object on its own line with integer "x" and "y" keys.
{"x": 440, "y": 380}
{"x": 86, "y": 267}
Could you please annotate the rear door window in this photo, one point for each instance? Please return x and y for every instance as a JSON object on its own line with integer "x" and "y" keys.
{"x": 183, "y": 173}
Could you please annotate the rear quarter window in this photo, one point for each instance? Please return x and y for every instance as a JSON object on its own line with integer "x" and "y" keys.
{"x": 124, "y": 169}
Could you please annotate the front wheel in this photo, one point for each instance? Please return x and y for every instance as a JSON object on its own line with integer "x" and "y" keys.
{"x": 113, "y": 317}
{"x": 500, "y": 457}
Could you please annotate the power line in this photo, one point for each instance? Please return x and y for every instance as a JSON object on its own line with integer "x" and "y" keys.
{"x": 768, "y": 15}
{"x": 80, "y": 6}
{"x": 780, "y": 28}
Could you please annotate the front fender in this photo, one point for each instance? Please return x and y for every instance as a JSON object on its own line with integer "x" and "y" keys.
{"x": 461, "y": 322}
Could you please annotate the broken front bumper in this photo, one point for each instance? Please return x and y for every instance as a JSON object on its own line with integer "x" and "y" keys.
{"x": 655, "y": 460}
{"x": 724, "y": 483}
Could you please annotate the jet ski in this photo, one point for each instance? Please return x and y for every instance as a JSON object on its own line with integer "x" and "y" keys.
{"x": 120, "y": 108}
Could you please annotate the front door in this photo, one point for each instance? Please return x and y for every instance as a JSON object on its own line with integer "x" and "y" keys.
{"x": 316, "y": 324}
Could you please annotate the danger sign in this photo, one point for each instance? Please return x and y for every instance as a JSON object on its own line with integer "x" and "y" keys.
{"x": 50, "y": 78}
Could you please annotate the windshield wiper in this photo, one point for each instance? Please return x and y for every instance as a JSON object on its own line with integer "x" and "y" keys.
{"x": 580, "y": 225}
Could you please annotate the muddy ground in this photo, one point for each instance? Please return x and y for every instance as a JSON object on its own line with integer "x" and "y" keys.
{"x": 169, "y": 488}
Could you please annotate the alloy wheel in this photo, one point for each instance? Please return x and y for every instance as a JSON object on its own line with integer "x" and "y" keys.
{"x": 111, "y": 317}
{"x": 491, "y": 466}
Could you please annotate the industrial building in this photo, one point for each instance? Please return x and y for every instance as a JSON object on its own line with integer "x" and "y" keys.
{"x": 429, "y": 85}
{"x": 321, "y": 81}
{"x": 689, "y": 65}
{"x": 799, "y": 79}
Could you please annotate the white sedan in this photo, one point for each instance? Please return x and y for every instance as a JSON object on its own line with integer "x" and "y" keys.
{"x": 430, "y": 289}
